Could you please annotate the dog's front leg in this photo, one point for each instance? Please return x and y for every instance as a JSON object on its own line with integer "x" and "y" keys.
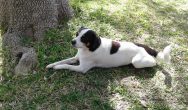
{"x": 66, "y": 61}
{"x": 78, "y": 68}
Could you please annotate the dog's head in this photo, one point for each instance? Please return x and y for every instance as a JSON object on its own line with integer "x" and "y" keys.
{"x": 86, "y": 38}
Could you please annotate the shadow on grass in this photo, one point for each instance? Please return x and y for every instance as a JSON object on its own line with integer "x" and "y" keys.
{"x": 91, "y": 91}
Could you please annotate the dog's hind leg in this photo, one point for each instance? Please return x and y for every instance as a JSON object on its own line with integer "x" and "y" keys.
{"x": 141, "y": 61}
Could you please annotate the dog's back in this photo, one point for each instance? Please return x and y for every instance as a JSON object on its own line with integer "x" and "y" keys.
{"x": 113, "y": 53}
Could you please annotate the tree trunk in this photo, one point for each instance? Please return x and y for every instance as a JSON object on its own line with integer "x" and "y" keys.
{"x": 29, "y": 18}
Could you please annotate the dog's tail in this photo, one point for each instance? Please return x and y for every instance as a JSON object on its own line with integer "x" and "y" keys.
{"x": 165, "y": 54}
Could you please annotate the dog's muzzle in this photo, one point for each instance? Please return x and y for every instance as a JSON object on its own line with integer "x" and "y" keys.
{"x": 73, "y": 42}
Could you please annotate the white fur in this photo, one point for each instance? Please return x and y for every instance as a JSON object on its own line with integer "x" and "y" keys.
{"x": 128, "y": 53}
{"x": 165, "y": 54}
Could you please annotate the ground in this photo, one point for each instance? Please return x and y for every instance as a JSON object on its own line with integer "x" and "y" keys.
{"x": 156, "y": 23}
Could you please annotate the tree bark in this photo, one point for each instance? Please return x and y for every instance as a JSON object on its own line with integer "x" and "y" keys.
{"x": 29, "y": 18}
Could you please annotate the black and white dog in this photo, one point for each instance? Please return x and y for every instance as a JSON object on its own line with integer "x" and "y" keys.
{"x": 94, "y": 51}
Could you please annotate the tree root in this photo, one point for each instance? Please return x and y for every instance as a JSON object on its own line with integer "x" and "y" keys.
{"x": 28, "y": 18}
{"x": 23, "y": 57}
{"x": 27, "y": 62}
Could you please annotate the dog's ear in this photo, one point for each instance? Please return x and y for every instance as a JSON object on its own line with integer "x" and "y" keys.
{"x": 95, "y": 42}
{"x": 91, "y": 40}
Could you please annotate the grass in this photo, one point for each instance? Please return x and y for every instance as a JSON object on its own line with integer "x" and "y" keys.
{"x": 156, "y": 23}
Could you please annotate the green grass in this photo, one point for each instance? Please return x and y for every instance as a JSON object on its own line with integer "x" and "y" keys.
{"x": 154, "y": 22}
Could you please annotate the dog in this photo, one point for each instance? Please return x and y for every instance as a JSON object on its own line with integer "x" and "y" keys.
{"x": 94, "y": 51}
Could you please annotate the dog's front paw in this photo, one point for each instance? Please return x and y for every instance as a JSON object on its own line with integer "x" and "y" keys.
{"x": 50, "y": 66}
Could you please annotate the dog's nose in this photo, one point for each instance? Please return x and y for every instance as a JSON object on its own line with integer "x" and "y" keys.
{"x": 73, "y": 42}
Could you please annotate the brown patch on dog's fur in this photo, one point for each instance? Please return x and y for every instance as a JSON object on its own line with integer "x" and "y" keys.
{"x": 149, "y": 50}
{"x": 115, "y": 47}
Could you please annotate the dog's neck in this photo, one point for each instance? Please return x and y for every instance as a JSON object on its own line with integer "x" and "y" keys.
{"x": 85, "y": 52}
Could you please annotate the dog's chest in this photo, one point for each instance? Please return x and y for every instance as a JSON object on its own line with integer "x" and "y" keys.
{"x": 84, "y": 55}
